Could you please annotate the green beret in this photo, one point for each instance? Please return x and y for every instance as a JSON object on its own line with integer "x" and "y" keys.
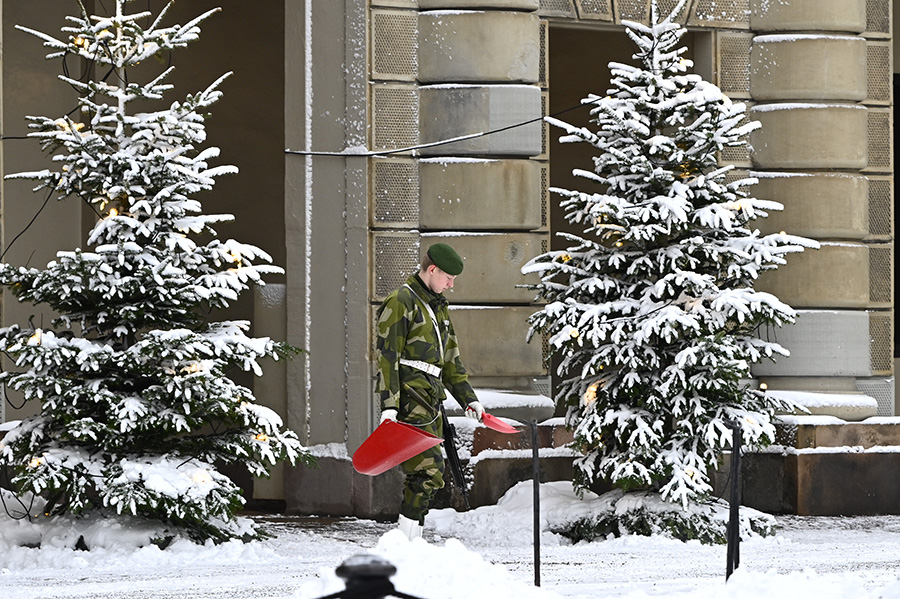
{"x": 446, "y": 258}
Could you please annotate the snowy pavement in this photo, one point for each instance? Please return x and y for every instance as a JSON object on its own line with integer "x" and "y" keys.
{"x": 831, "y": 556}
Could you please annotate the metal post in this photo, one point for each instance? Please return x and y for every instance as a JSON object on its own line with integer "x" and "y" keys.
{"x": 733, "y": 533}
{"x": 536, "y": 480}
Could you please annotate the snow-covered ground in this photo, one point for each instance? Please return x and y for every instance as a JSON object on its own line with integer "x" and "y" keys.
{"x": 487, "y": 552}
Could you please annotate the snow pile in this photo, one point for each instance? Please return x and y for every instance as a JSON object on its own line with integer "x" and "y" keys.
{"x": 436, "y": 572}
{"x": 561, "y": 510}
{"x": 511, "y": 518}
{"x": 486, "y": 552}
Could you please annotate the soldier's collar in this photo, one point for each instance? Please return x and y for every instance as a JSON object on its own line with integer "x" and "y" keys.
{"x": 429, "y": 294}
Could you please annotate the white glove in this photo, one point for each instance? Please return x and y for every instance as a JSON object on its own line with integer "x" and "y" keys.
{"x": 389, "y": 414}
{"x": 475, "y": 411}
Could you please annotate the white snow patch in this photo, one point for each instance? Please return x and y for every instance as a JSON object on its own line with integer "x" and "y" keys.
{"x": 820, "y": 400}
{"x": 801, "y": 106}
{"x": 330, "y": 450}
{"x": 456, "y": 160}
{"x": 793, "y": 37}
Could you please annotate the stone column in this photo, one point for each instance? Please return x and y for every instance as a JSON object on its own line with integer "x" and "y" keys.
{"x": 808, "y": 75}
{"x": 479, "y": 71}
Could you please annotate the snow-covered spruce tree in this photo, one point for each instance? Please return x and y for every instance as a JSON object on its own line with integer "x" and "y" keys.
{"x": 652, "y": 311}
{"x": 137, "y": 412}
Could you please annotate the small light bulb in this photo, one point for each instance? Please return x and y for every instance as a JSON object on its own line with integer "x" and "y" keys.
{"x": 261, "y": 437}
{"x": 574, "y": 333}
{"x": 590, "y": 396}
{"x": 763, "y": 386}
{"x": 35, "y": 462}
{"x": 113, "y": 212}
{"x": 202, "y": 476}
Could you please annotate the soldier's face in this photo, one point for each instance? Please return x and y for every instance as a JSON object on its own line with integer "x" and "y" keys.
{"x": 439, "y": 281}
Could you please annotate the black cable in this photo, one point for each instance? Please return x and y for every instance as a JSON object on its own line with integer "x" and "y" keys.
{"x": 28, "y": 226}
{"x": 7, "y": 484}
{"x": 9, "y": 401}
{"x": 87, "y": 69}
{"x": 89, "y": 204}
{"x": 435, "y": 143}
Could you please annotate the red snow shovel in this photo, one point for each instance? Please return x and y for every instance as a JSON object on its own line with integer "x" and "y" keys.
{"x": 390, "y": 444}
{"x": 491, "y": 421}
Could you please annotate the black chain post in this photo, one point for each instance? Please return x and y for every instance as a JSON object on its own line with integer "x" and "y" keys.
{"x": 536, "y": 510}
{"x": 536, "y": 502}
{"x": 733, "y": 533}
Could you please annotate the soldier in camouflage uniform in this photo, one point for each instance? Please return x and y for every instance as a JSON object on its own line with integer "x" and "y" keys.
{"x": 416, "y": 346}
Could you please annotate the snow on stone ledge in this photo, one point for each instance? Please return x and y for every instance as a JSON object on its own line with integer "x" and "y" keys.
{"x": 798, "y": 420}
{"x": 843, "y": 406}
{"x": 507, "y": 399}
{"x": 793, "y": 37}
{"x": 811, "y": 399}
{"x": 802, "y": 106}
{"x": 495, "y": 399}
{"x": 337, "y": 451}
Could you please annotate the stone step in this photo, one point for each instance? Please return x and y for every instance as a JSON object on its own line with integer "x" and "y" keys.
{"x": 819, "y": 482}
{"x": 809, "y": 432}
{"x": 550, "y": 435}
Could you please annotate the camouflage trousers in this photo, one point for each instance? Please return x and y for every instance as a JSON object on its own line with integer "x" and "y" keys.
{"x": 424, "y": 476}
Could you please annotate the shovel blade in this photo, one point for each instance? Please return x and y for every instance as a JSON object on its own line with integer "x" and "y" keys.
{"x": 496, "y": 424}
{"x": 389, "y": 445}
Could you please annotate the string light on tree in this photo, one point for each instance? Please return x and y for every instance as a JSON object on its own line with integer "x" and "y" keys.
{"x": 201, "y": 477}
{"x": 135, "y": 391}
{"x": 590, "y": 396}
{"x": 665, "y": 292}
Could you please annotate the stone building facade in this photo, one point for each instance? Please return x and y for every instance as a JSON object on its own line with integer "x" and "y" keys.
{"x": 329, "y": 96}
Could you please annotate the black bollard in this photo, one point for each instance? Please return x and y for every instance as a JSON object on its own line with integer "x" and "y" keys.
{"x": 366, "y": 577}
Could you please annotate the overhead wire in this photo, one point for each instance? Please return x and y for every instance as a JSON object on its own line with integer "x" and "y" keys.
{"x": 466, "y": 137}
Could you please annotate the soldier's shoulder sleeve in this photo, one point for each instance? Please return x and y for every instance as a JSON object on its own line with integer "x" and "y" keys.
{"x": 392, "y": 325}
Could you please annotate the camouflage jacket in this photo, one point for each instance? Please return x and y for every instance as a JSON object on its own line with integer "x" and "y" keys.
{"x": 406, "y": 331}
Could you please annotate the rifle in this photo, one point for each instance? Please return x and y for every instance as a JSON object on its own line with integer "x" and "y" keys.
{"x": 449, "y": 444}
